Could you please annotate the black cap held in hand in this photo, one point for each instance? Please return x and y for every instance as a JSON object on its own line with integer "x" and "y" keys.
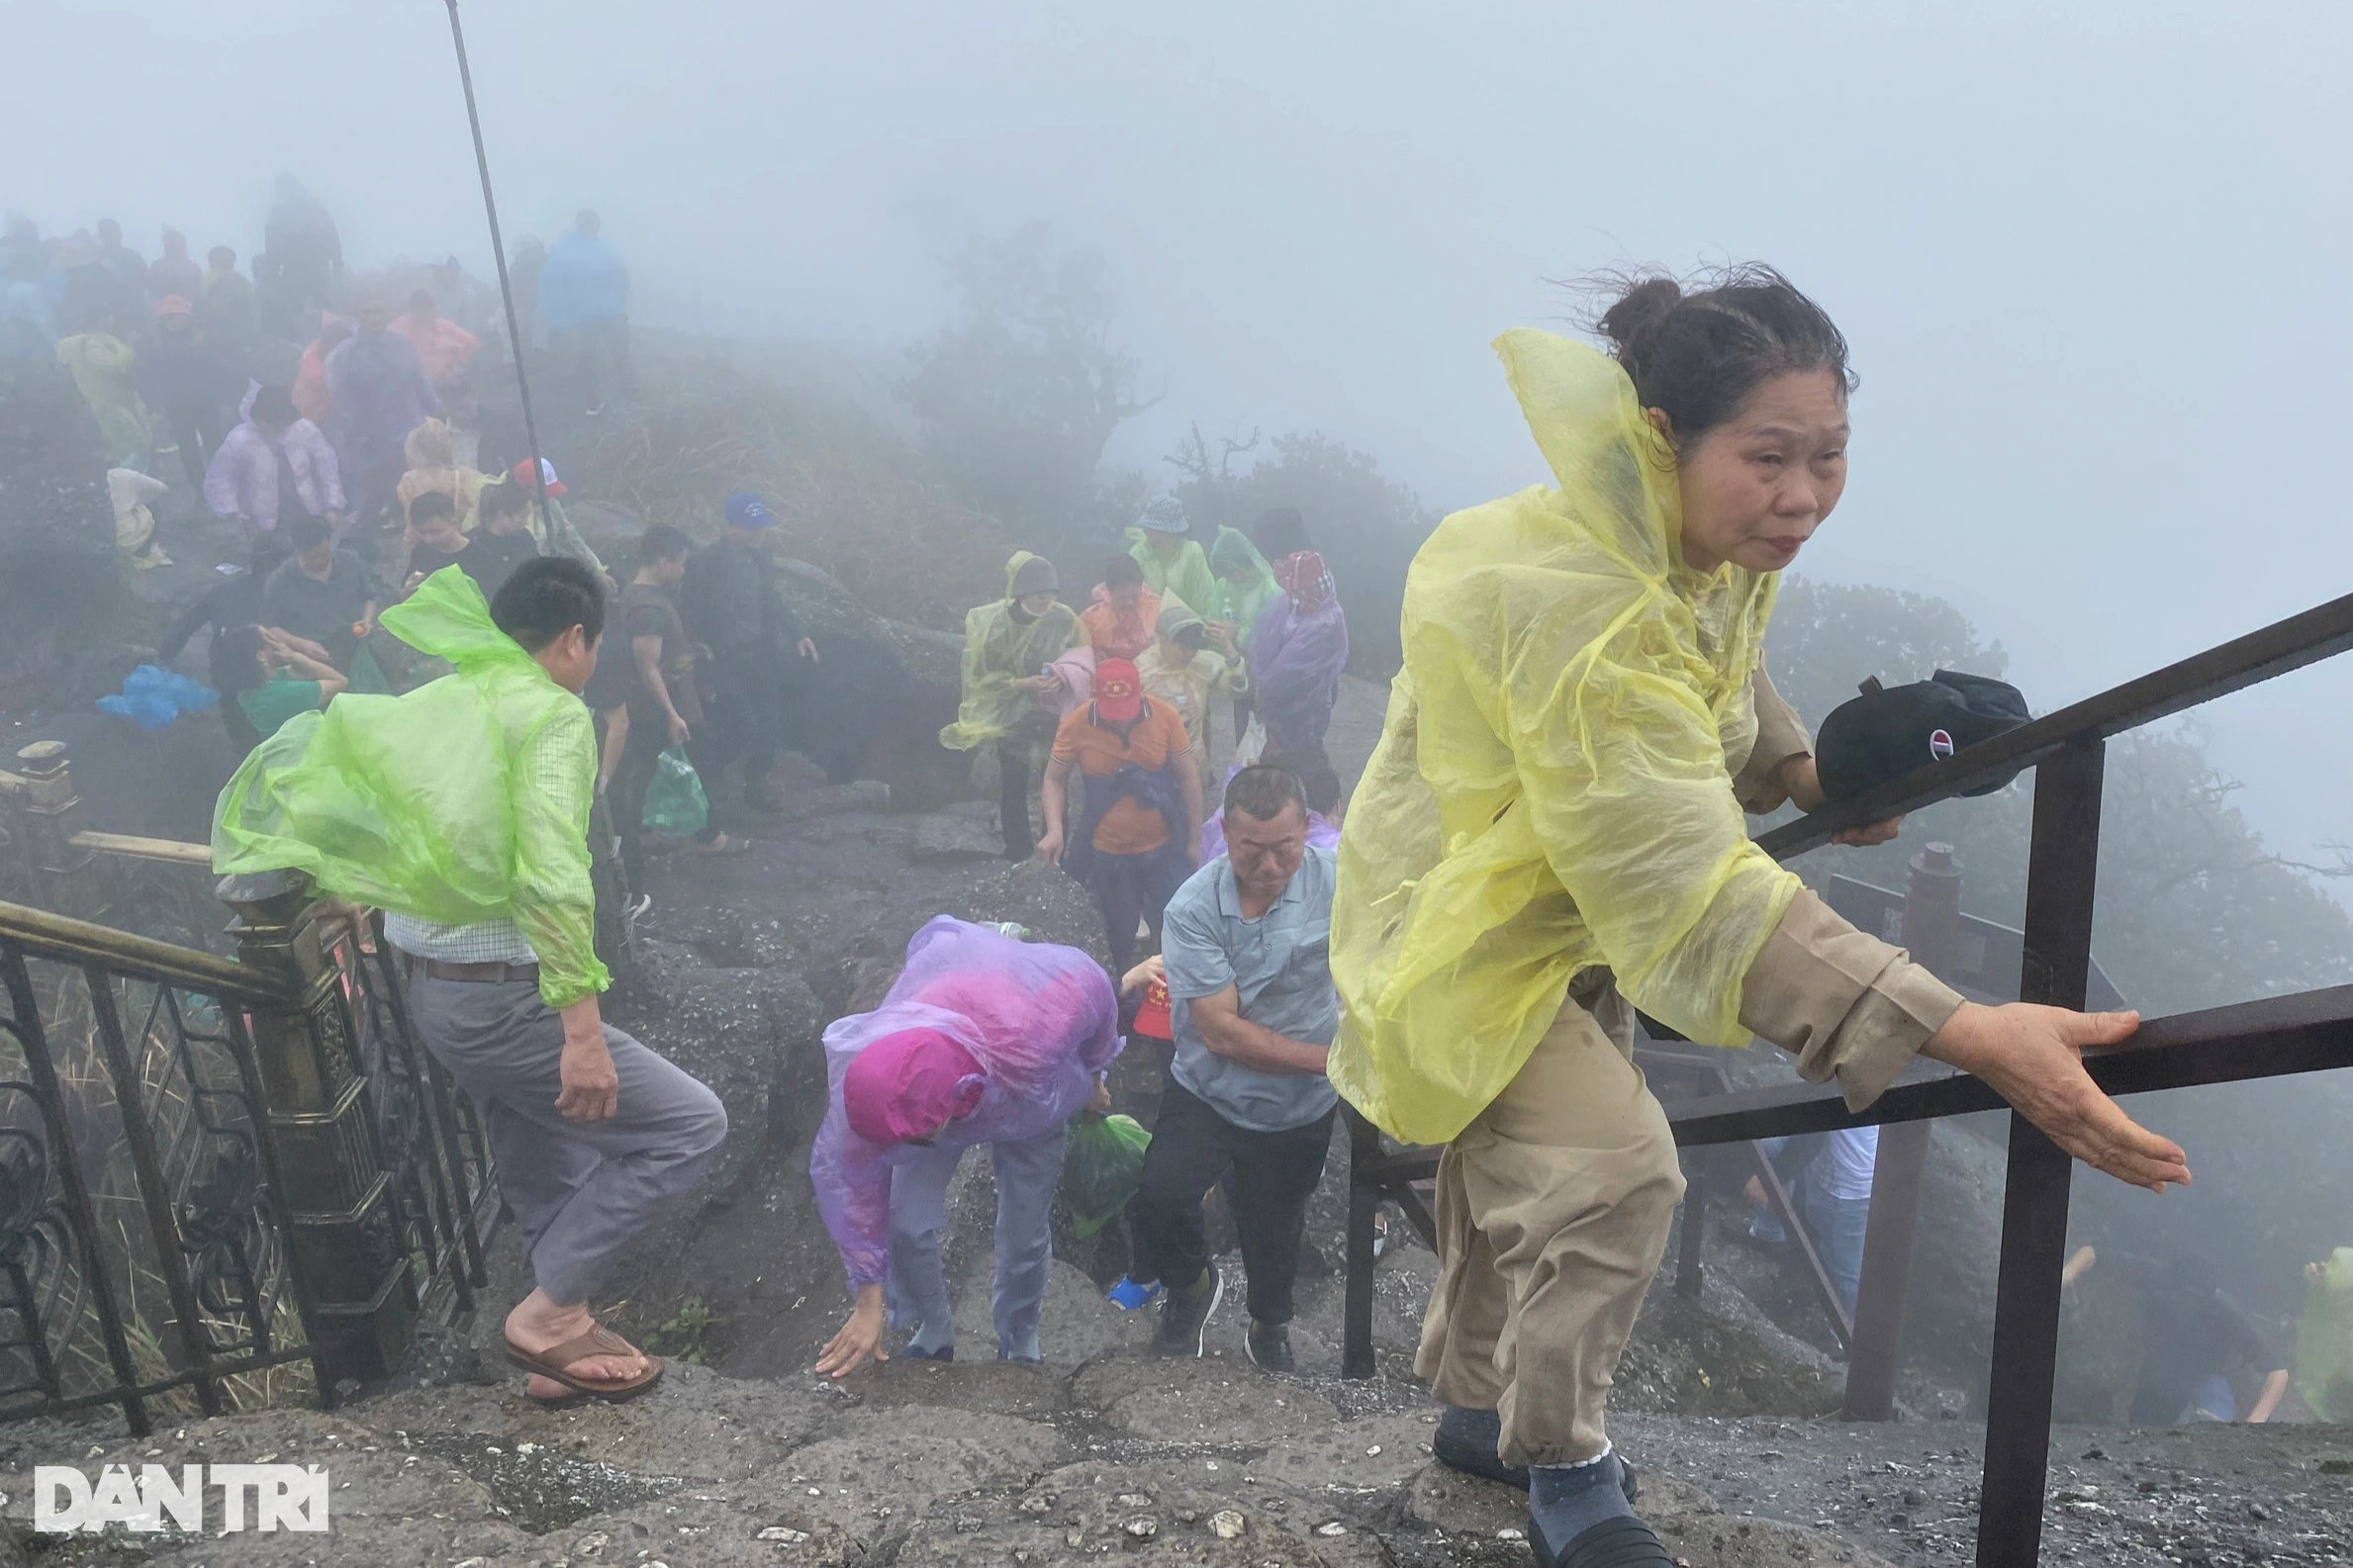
{"x": 1888, "y": 732}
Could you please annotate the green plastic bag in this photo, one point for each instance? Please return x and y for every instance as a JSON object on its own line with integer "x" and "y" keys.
{"x": 1102, "y": 1164}
{"x": 673, "y": 801}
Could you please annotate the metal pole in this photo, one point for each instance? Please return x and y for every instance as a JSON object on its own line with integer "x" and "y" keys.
{"x": 1931, "y": 929}
{"x": 498, "y": 252}
{"x": 2061, "y": 874}
{"x": 1363, "y": 1203}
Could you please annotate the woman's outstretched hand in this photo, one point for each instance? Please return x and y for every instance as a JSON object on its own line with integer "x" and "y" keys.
{"x": 2033, "y": 1057}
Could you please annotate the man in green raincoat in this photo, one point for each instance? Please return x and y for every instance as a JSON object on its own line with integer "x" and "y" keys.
{"x": 1010, "y": 647}
{"x": 461, "y": 810}
{"x": 1161, "y": 542}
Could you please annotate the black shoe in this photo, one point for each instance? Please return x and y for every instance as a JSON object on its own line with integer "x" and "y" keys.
{"x": 1270, "y": 1347}
{"x": 946, "y": 1352}
{"x": 1621, "y": 1542}
{"x": 1468, "y": 1440}
{"x": 1185, "y": 1317}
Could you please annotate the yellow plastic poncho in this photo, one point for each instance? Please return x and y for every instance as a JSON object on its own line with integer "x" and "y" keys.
{"x": 998, "y": 651}
{"x": 2325, "y": 1340}
{"x": 1553, "y": 789}
{"x": 414, "y": 804}
{"x": 1186, "y": 682}
{"x": 100, "y": 364}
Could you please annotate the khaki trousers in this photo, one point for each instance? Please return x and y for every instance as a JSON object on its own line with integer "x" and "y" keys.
{"x": 1553, "y": 1212}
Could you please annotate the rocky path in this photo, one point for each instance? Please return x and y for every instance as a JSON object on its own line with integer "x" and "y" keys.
{"x": 1122, "y": 1457}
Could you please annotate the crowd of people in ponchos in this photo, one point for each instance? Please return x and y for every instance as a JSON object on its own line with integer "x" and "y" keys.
{"x": 335, "y": 418}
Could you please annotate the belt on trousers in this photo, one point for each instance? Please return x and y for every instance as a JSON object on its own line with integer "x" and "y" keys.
{"x": 488, "y": 974}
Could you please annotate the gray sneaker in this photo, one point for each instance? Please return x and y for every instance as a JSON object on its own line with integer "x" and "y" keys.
{"x": 1185, "y": 1317}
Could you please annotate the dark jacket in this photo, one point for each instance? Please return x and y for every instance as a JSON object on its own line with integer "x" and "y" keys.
{"x": 731, "y": 602}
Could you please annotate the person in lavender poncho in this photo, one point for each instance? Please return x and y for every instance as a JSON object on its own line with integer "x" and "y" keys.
{"x": 1297, "y": 652}
{"x": 983, "y": 1039}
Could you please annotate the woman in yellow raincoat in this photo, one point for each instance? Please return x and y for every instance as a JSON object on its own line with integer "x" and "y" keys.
{"x": 1011, "y": 694}
{"x": 1550, "y": 836}
{"x": 431, "y": 452}
{"x": 99, "y": 363}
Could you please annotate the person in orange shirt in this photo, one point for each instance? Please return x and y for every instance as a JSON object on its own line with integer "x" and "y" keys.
{"x": 443, "y": 346}
{"x": 1125, "y": 615}
{"x": 1140, "y": 809}
{"x": 309, "y": 377}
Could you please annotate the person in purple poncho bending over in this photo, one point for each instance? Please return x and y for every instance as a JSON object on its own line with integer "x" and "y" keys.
{"x": 983, "y": 1039}
{"x": 1297, "y": 651}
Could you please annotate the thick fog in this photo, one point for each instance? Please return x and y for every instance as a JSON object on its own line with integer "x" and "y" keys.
{"x": 2093, "y": 259}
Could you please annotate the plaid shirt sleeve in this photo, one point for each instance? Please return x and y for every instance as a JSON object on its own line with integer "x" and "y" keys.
{"x": 555, "y": 899}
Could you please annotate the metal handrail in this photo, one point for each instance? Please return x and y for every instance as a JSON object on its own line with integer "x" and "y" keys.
{"x": 61, "y": 937}
{"x": 2308, "y": 1032}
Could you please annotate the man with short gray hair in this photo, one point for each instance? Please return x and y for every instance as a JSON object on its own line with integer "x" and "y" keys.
{"x": 1246, "y": 944}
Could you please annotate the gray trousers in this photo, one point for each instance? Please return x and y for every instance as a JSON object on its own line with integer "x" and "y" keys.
{"x": 1026, "y": 1172}
{"x": 580, "y": 1191}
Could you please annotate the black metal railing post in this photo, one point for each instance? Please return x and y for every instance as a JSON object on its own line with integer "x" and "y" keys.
{"x": 1364, "y": 1204}
{"x": 345, "y": 1217}
{"x": 1690, "y": 1272}
{"x": 1874, "y": 1356}
{"x": 281, "y": 1203}
{"x": 2062, "y": 877}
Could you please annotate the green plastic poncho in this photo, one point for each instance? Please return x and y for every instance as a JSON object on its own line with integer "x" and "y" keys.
{"x": 998, "y": 651}
{"x": 1185, "y": 575}
{"x": 1239, "y": 604}
{"x": 1553, "y": 789}
{"x": 417, "y": 804}
{"x": 2325, "y": 1340}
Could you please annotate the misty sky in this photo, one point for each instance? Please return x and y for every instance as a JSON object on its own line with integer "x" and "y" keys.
{"x": 2094, "y": 263}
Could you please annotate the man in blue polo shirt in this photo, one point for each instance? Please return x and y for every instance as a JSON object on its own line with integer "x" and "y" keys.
{"x": 1245, "y": 942}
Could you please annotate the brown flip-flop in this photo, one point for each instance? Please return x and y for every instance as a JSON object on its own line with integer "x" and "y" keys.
{"x": 555, "y": 1362}
{"x": 725, "y": 847}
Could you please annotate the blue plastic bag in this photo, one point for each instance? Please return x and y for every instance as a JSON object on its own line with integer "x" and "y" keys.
{"x": 153, "y": 697}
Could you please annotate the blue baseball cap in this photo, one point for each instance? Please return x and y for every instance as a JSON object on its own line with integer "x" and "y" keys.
{"x": 747, "y": 511}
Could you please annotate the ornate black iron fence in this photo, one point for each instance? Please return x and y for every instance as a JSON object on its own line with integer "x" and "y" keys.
{"x": 2306, "y": 1033}
{"x": 225, "y": 1182}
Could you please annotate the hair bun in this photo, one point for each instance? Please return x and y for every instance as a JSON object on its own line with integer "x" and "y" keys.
{"x": 1638, "y": 313}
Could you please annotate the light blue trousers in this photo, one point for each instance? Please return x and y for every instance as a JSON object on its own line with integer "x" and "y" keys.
{"x": 917, "y": 1293}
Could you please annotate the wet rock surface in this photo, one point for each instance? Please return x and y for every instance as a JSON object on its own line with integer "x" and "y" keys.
{"x": 2130, "y": 1497}
{"x": 1199, "y": 1461}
